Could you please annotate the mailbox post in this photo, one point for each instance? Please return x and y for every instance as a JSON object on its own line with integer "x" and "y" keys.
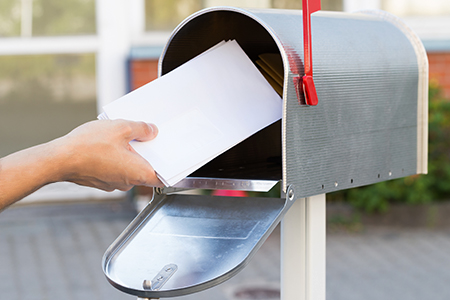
{"x": 369, "y": 125}
{"x": 303, "y": 251}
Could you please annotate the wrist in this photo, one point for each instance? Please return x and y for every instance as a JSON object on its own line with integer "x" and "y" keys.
{"x": 28, "y": 170}
{"x": 59, "y": 159}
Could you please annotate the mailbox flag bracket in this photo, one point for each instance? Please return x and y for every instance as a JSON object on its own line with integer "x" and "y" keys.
{"x": 309, "y": 89}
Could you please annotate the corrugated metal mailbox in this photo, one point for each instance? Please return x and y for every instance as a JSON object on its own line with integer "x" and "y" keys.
{"x": 370, "y": 125}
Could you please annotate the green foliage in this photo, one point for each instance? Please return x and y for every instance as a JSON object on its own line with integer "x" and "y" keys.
{"x": 416, "y": 189}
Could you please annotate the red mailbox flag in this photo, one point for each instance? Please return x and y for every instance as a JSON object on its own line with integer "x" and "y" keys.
{"x": 309, "y": 89}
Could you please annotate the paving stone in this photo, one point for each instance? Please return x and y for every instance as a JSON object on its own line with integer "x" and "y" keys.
{"x": 55, "y": 252}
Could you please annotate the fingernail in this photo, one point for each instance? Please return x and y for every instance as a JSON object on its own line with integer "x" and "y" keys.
{"x": 154, "y": 128}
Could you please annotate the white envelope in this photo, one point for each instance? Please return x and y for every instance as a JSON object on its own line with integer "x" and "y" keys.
{"x": 202, "y": 108}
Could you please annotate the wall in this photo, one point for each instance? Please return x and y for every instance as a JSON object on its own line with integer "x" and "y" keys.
{"x": 440, "y": 71}
{"x": 143, "y": 71}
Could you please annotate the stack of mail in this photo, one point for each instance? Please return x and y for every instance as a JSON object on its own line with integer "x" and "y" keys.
{"x": 202, "y": 108}
{"x": 271, "y": 66}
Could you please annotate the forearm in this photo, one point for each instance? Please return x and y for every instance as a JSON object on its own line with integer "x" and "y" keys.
{"x": 26, "y": 171}
{"x": 96, "y": 154}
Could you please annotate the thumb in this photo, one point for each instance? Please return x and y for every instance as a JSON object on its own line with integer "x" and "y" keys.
{"x": 143, "y": 132}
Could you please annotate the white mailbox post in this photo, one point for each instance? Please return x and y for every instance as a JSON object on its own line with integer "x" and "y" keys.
{"x": 303, "y": 250}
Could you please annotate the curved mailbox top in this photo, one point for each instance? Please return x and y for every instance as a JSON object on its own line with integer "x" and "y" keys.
{"x": 370, "y": 73}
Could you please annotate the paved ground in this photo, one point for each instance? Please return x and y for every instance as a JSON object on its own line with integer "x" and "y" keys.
{"x": 54, "y": 252}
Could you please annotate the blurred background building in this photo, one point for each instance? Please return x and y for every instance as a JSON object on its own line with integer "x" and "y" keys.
{"x": 61, "y": 61}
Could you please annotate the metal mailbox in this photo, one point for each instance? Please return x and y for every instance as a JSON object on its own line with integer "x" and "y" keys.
{"x": 370, "y": 125}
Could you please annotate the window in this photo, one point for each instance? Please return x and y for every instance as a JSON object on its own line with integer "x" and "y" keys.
{"x": 165, "y": 15}
{"x": 51, "y": 54}
{"x": 10, "y": 17}
{"x": 416, "y": 7}
{"x": 43, "y": 97}
{"x": 333, "y": 5}
{"x": 46, "y": 17}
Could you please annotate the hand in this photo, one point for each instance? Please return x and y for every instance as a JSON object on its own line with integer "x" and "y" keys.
{"x": 96, "y": 154}
{"x": 100, "y": 156}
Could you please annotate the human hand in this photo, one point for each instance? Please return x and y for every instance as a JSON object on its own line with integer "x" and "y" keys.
{"x": 98, "y": 154}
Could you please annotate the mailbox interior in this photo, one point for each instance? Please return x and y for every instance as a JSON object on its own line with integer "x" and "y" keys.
{"x": 258, "y": 157}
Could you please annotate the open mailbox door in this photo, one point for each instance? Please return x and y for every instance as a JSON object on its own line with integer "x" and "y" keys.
{"x": 369, "y": 125}
{"x": 181, "y": 244}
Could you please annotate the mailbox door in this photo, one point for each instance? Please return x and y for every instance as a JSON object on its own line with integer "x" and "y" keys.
{"x": 181, "y": 244}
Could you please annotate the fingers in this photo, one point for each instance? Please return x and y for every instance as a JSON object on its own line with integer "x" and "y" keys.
{"x": 151, "y": 179}
{"x": 142, "y": 173}
{"x": 104, "y": 157}
{"x": 143, "y": 132}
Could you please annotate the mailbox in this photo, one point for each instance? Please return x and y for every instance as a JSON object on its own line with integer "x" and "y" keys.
{"x": 370, "y": 125}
